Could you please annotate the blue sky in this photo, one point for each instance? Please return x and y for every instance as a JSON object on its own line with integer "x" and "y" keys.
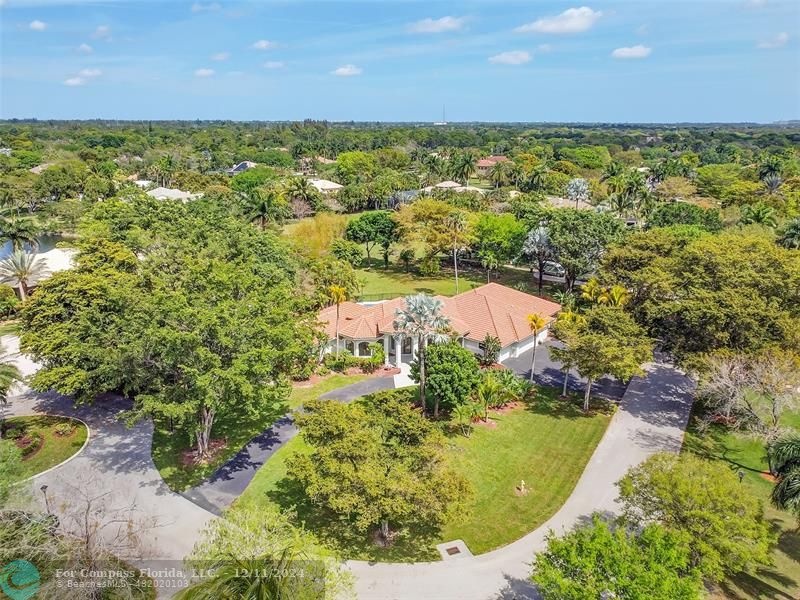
{"x": 492, "y": 60}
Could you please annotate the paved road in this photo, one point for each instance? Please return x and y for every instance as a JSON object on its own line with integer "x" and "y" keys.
{"x": 549, "y": 372}
{"x": 652, "y": 417}
{"x": 230, "y": 480}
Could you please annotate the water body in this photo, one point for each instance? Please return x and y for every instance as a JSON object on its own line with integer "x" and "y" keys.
{"x": 46, "y": 243}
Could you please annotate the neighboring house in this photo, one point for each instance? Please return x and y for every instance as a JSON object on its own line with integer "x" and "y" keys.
{"x": 142, "y": 183}
{"x": 324, "y": 186}
{"x": 453, "y": 186}
{"x": 491, "y": 309}
{"x": 240, "y": 168}
{"x": 162, "y": 193}
{"x": 484, "y": 166}
{"x": 37, "y": 170}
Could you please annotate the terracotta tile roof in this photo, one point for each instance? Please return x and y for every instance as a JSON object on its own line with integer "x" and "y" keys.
{"x": 493, "y": 308}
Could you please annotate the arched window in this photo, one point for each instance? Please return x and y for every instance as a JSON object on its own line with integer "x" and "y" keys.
{"x": 363, "y": 349}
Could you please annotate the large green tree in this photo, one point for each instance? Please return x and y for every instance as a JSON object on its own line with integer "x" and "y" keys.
{"x": 377, "y": 463}
{"x": 452, "y": 374}
{"x": 724, "y": 521}
{"x": 598, "y": 561}
{"x": 377, "y": 228}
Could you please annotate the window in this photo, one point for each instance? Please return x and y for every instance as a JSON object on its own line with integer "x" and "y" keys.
{"x": 363, "y": 349}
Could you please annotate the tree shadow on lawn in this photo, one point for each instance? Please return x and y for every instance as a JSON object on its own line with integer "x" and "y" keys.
{"x": 340, "y": 535}
{"x": 548, "y": 401}
{"x": 712, "y": 444}
{"x": 754, "y": 586}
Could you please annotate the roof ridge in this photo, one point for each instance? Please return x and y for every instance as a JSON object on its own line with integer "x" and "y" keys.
{"x": 491, "y": 315}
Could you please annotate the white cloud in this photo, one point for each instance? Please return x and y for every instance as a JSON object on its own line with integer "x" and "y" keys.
{"x": 572, "y": 20}
{"x": 37, "y": 25}
{"x": 544, "y": 48}
{"x": 74, "y": 81}
{"x": 198, "y": 7}
{"x": 89, "y": 73}
{"x": 274, "y": 64}
{"x": 103, "y": 32}
{"x": 637, "y": 51}
{"x": 220, "y": 56}
{"x": 512, "y": 57}
{"x": 777, "y": 41}
{"x": 437, "y": 25}
{"x": 347, "y": 71}
{"x": 264, "y": 45}
{"x": 204, "y": 72}
{"x": 85, "y": 49}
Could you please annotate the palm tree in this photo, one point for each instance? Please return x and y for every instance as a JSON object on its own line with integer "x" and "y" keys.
{"x": 537, "y": 323}
{"x": 790, "y": 235}
{"x": 500, "y": 174}
{"x": 489, "y": 261}
{"x": 463, "y": 166}
{"x": 773, "y": 183}
{"x": 537, "y": 247}
{"x": 337, "y": 294}
{"x": 536, "y": 179}
{"x": 578, "y": 190}
{"x": 422, "y": 318}
{"x": 612, "y": 169}
{"x": 592, "y": 290}
{"x": 264, "y": 206}
{"x": 784, "y": 457}
{"x": 9, "y": 375}
{"x": 299, "y": 188}
{"x": 19, "y": 269}
{"x": 616, "y": 295}
{"x": 457, "y": 225}
{"x": 489, "y": 392}
{"x": 263, "y": 578}
{"x": 19, "y": 231}
{"x": 565, "y": 299}
{"x": 758, "y": 214}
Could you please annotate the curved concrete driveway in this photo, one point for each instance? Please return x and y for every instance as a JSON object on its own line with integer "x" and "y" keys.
{"x": 652, "y": 417}
{"x": 116, "y": 461}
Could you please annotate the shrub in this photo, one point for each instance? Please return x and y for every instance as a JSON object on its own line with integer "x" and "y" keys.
{"x": 65, "y": 429}
{"x": 430, "y": 266}
{"x": 15, "y": 432}
{"x": 36, "y": 441}
{"x": 491, "y": 350}
{"x": 349, "y": 252}
{"x": 8, "y": 301}
{"x": 452, "y": 372}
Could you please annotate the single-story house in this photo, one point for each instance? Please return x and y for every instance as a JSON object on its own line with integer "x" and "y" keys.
{"x": 241, "y": 167}
{"x": 492, "y": 309}
{"x": 142, "y": 183}
{"x": 324, "y": 186}
{"x": 162, "y": 193}
{"x": 453, "y": 186}
{"x": 484, "y": 165}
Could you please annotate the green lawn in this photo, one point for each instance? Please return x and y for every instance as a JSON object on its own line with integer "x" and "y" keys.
{"x": 546, "y": 443}
{"x": 169, "y": 446}
{"x": 379, "y": 283}
{"x": 56, "y": 448}
{"x": 780, "y": 581}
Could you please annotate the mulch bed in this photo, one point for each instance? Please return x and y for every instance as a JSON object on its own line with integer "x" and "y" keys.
{"x": 769, "y": 477}
{"x": 316, "y": 378}
{"x": 215, "y": 447}
{"x": 26, "y": 442}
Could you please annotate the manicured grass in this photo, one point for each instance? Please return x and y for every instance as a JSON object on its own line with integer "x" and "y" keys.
{"x": 169, "y": 446}
{"x": 547, "y": 443}
{"x": 55, "y": 448}
{"x": 780, "y": 581}
{"x": 379, "y": 283}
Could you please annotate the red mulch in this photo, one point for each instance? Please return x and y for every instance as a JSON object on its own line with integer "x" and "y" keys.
{"x": 490, "y": 424}
{"x": 769, "y": 477}
{"x": 507, "y": 408}
{"x": 495, "y": 366}
{"x": 190, "y": 457}
{"x": 316, "y": 378}
{"x": 26, "y": 441}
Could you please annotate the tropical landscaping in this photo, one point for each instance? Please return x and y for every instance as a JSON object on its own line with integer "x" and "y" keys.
{"x": 203, "y": 316}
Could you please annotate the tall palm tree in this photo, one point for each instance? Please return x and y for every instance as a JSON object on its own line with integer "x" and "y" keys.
{"x": 422, "y": 319}
{"x": 578, "y": 190}
{"x": 489, "y": 261}
{"x": 463, "y": 166}
{"x": 537, "y": 323}
{"x": 790, "y": 235}
{"x": 612, "y": 169}
{"x": 784, "y": 457}
{"x": 537, "y": 247}
{"x": 264, "y": 206}
{"x": 19, "y": 231}
{"x": 758, "y": 214}
{"x": 500, "y": 174}
{"x": 537, "y": 177}
{"x": 9, "y": 375}
{"x": 20, "y": 268}
{"x": 337, "y": 295}
{"x": 457, "y": 226}
{"x": 300, "y": 188}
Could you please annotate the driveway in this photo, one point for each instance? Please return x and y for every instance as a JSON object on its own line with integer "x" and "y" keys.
{"x": 229, "y": 481}
{"x": 651, "y": 418}
{"x": 548, "y": 372}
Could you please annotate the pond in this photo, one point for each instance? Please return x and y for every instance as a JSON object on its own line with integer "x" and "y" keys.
{"x": 46, "y": 243}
